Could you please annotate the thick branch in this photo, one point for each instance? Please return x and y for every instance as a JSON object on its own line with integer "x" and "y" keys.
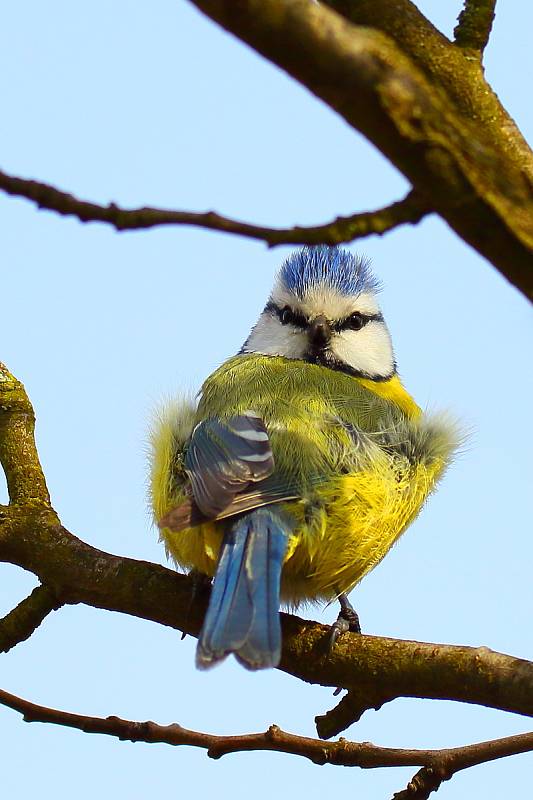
{"x": 20, "y": 623}
{"x": 343, "y": 753}
{"x": 456, "y": 70}
{"x": 343, "y": 229}
{"x": 474, "y": 25}
{"x": 36, "y": 541}
{"x": 32, "y": 537}
{"x": 18, "y": 455}
{"x": 361, "y": 74}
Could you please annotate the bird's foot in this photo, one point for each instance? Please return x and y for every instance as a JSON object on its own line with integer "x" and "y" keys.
{"x": 348, "y": 620}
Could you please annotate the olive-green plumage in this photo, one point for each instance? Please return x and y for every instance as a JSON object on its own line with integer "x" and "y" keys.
{"x": 359, "y": 454}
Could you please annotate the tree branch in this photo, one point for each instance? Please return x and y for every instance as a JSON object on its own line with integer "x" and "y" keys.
{"x": 32, "y": 537}
{"x": 448, "y": 762}
{"x": 474, "y": 25}
{"x": 362, "y": 75}
{"x": 438, "y": 765}
{"x": 34, "y": 540}
{"x": 343, "y": 229}
{"x": 451, "y": 68}
{"x": 26, "y": 483}
{"x": 20, "y": 623}
{"x": 351, "y": 708}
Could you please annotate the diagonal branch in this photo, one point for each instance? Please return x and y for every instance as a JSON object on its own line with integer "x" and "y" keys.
{"x": 343, "y": 229}
{"x": 448, "y": 67}
{"x": 25, "y": 618}
{"x": 474, "y": 25}
{"x": 360, "y": 73}
{"x": 438, "y": 765}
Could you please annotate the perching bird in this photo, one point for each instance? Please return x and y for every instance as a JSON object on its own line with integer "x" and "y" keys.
{"x": 302, "y": 463}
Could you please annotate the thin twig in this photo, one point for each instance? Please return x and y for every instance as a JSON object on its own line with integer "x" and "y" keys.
{"x": 24, "y": 619}
{"x": 342, "y": 753}
{"x": 342, "y": 229}
{"x": 447, "y": 763}
{"x": 474, "y": 25}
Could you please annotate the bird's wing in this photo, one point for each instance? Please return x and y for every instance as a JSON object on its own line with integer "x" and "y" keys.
{"x": 229, "y": 464}
{"x": 188, "y": 514}
{"x": 224, "y": 457}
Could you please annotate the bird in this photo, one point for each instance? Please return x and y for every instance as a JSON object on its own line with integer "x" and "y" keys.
{"x": 299, "y": 464}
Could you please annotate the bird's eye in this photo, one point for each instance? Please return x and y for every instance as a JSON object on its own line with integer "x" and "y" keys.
{"x": 286, "y": 316}
{"x": 355, "y": 321}
{"x": 289, "y": 317}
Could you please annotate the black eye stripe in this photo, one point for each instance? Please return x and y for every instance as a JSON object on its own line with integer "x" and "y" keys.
{"x": 346, "y": 324}
{"x": 289, "y": 316}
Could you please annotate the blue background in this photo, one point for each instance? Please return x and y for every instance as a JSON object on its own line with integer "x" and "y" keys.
{"x": 153, "y": 104}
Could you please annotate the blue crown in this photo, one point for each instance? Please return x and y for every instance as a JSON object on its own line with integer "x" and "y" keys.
{"x": 338, "y": 269}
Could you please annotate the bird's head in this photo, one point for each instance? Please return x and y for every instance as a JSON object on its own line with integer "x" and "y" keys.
{"x": 323, "y": 310}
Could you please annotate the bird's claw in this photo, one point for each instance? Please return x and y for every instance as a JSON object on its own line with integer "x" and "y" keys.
{"x": 341, "y": 625}
{"x": 348, "y": 620}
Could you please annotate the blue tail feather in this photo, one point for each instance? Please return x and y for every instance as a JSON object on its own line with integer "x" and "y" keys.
{"x": 243, "y": 613}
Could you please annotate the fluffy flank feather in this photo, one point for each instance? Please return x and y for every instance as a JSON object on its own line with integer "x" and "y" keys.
{"x": 171, "y": 428}
{"x": 170, "y": 431}
{"x": 335, "y": 543}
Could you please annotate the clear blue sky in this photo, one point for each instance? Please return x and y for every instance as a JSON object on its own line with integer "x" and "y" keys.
{"x": 153, "y": 104}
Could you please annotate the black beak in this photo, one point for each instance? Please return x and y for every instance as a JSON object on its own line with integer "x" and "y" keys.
{"x": 319, "y": 333}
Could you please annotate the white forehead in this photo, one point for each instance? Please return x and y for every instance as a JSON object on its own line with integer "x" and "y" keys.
{"x": 323, "y": 299}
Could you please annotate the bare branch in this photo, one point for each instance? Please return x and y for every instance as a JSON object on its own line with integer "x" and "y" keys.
{"x": 440, "y": 763}
{"x": 421, "y": 785}
{"x": 360, "y": 73}
{"x": 451, "y": 68}
{"x": 351, "y": 708}
{"x": 20, "y": 623}
{"x": 343, "y": 229}
{"x": 456, "y": 759}
{"x": 18, "y": 454}
{"x": 33, "y": 540}
{"x": 32, "y": 537}
{"x": 474, "y": 25}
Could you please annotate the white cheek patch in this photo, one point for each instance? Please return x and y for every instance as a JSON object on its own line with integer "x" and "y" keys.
{"x": 271, "y": 338}
{"x": 321, "y": 299}
{"x": 368, "y": 350}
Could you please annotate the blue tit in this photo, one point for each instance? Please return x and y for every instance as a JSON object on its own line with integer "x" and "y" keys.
{"x": 302, "y": 462}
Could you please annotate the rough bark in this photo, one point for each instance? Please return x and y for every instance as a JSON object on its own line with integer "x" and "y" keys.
{"x": 482, "y": 189}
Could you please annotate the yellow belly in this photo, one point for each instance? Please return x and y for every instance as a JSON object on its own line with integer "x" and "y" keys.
{"x": 341, "y": 532}
{"x": 343, "y": 526}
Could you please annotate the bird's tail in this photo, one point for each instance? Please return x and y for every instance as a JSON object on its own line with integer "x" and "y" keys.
{"x": 243, "y": 613}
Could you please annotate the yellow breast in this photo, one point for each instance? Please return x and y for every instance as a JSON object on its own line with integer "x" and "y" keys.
{"x": 393, "y": 390}
{"x": 356, "y": 520}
